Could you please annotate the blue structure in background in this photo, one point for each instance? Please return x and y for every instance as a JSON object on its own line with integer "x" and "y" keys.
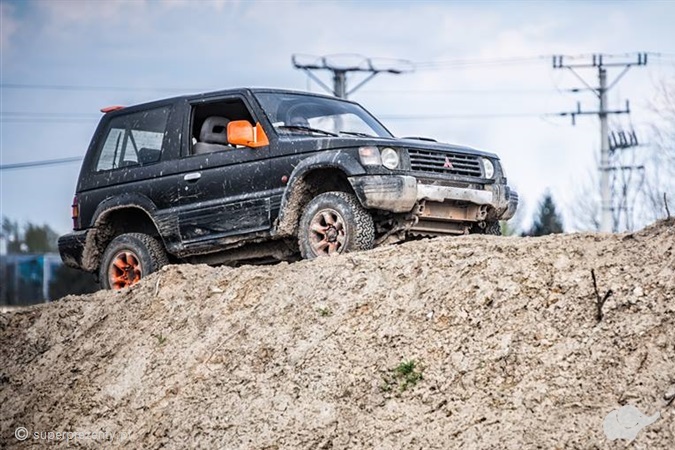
{"x": 24, "y": 279}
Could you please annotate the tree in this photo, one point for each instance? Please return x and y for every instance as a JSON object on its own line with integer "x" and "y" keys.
{"x": 661, "y": 179}
{"x": 29, "y": 239}
{"x": 547, "y": 221}
{"x": 40, "y": 239}
{"x": 11, "y": 231}
{"x": 640, "y": 194}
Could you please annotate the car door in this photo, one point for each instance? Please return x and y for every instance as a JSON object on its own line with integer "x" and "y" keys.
{"x": 224, "y": 191}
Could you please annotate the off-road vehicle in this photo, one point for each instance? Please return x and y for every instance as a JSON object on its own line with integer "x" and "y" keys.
{"x": 262, "y": 174}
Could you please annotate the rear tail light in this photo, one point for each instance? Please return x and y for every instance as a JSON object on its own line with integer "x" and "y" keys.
{"x": 75, "y": 213}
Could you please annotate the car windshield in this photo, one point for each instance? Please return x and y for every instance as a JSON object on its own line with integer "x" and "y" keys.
{"x": 299, "y": 114}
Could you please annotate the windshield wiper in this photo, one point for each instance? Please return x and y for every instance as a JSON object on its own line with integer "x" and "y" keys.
{"x": 304, "y": 128}
{"x": 356, "y": 133}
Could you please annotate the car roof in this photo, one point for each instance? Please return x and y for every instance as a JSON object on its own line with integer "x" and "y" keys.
{"x": 216, "y": 94}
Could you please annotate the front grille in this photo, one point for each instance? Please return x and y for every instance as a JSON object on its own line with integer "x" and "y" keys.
{"x": 436, "y": 162}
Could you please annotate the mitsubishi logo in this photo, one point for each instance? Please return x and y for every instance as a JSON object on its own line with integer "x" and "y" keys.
{"x": 448, "y": 164}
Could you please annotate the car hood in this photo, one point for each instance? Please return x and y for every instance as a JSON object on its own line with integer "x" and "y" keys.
{"x": 334, "y": 143}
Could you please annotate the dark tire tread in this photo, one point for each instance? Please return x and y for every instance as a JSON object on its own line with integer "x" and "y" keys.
{"x": 362, "y": 229}
{"x": 146, "y": 247}
{"x": 493, "y": 228}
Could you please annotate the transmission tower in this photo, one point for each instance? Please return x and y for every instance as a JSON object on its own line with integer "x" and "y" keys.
{"x": 340, "y": 69}
{"x": 602, "y": 62}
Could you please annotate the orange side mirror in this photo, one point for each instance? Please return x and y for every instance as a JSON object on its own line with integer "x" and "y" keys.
{"x": 241, "y": 132}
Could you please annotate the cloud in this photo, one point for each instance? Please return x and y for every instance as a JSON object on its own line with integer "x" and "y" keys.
{"x": 69, "y": 12}
{"x": 203, "y": 45}
{"x": 9, "y": 25}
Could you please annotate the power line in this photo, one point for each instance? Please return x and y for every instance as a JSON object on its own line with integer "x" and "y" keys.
{"x": 45, "y": 120}
{"x": 72, "y": 87}
{"x": 478, "y": 62}
{"x": 418, "y": 65}
{"x": 460, "y": 116}
{"x": 82, "y": 117}
{"x": 43, "y": 163}
{"x": 478, "y": 91}
{"x": 49, "y": 114}
{"x": 602, "y": 62}
{"x": 341, "y": 65}
{"x": 47, "y": 117}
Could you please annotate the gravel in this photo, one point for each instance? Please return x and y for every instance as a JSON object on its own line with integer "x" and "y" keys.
{"x": 500, "y": 335}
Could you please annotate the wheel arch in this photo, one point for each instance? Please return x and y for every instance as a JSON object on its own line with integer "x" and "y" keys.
{"x": 328, "y": 171}
{"x": 111, "y": 222}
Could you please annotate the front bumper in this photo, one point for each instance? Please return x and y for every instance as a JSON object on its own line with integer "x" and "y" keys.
{"x": 71, "y": 248}
{"x": 400, "y": 194}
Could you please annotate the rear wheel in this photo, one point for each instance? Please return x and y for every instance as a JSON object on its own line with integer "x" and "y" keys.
{"x": 129, "y": 258}
{"x": 334, "y": 223}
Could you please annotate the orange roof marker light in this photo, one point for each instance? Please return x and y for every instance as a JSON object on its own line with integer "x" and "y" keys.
{"x": 108, "y": 109}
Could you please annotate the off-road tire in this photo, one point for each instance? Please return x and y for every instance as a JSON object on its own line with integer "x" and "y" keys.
{"x": 357, "y": 224}
{"x": 493, "y": 228}
{"x": 147, "y": 256}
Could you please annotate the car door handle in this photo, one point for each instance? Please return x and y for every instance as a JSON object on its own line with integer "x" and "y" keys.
{"x": 194, "y": 176}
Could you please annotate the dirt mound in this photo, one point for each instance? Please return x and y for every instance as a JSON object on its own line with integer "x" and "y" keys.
{"x": 471, "y": 342}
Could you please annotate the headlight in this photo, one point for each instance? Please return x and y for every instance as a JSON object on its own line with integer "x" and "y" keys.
{"x": 390, "y": 158}
{"x": 489, "y": 168}
{"x": 370, "y": 156}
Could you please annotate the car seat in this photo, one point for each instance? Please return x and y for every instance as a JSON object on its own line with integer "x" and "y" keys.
{"x": 213, "y": 136}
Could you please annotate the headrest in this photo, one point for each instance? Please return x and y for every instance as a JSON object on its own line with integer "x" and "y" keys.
{"x": 214, "y": 130}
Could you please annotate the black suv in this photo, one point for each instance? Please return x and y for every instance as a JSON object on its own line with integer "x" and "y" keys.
{"x": 262, "y": 174}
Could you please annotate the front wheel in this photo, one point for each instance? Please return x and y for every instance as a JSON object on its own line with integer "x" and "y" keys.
{"x": 334, "y": 223}
{"x": 493, "y": 227}
{"x": 130, "y": 257}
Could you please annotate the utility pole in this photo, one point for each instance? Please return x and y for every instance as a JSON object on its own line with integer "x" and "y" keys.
{"x": 598, "y": 61}
{"x": 340, "y": 71}
{"x": 3, "y": 270}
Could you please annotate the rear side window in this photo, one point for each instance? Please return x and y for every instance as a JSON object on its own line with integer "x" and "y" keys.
{"x": 133, "y": 140}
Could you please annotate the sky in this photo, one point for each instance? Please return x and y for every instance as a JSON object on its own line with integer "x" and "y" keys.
{"x": 483, "y": 76}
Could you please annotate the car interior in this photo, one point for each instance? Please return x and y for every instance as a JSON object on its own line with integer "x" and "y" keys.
{"x": 209, "y": 124}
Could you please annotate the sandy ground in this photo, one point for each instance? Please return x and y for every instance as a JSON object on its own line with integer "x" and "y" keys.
{"x": 503, "y": 334}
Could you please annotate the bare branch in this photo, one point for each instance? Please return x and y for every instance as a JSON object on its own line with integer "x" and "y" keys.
{"x": 665, "y": 202}
{"x": 599, "y": 301}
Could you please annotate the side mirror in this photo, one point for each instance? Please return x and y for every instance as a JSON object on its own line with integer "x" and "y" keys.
{"x": 241, "y": 132}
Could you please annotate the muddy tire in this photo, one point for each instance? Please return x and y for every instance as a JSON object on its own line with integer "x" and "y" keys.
{"x": 493, "y": 228}
{"x": 334, "y": 223}
{"x": 129, "y": 258}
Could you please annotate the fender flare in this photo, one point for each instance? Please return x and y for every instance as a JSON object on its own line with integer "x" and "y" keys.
{"x": 129, "y": 200}
{"x": 341, "y": 160}
{"x": 93, "y": 243}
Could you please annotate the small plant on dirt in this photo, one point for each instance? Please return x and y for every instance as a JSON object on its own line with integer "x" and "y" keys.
{"x": 161, "y": 339}
{"x": 405, "y": 375}
{"x": 325, "y": 311}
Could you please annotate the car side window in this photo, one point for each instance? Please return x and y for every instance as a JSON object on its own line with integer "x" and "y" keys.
{"x": 133, "y": 139}
{"x": 209, "y": 124}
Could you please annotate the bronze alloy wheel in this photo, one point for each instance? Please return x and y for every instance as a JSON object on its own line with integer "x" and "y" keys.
{"x": 328, "y": 232}
{"x": 130, "y": 257}
{"x": 334, "y": 223}
{"x": 125, "y": 269}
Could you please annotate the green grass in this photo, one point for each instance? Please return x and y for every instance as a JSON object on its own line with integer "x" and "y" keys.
{"x": 161, "y": 339}
{"x": 325, "y": 312}
{"x": 406, "y": 375}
